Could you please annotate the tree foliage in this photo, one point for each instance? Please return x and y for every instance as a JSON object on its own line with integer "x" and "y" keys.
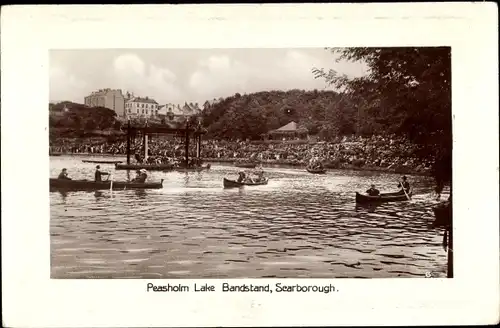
{"x": 80, "y": 117}
{"x": 251, "y": 115}
{"x": 406, "y": 91}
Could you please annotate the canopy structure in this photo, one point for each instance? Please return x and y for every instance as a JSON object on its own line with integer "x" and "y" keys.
{"x": 188, "y": 130}
{"x": 291, "y": 129}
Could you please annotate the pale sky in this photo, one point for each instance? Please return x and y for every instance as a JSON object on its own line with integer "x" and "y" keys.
{"x": 188, "y": 75}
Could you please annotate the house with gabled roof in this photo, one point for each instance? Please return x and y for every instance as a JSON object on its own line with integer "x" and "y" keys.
{"x": 290, "y": 130}
{"x": 177, "y": 113}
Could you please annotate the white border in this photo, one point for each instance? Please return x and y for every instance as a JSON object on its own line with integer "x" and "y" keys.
{"x": 31, "y": 299}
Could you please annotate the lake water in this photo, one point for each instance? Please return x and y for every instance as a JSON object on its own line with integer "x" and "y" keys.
{"x": 298, "y": 226}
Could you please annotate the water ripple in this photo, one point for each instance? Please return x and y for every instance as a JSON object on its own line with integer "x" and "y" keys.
{"x": 300, "y": 225}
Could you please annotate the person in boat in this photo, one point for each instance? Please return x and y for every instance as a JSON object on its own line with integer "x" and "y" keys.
{"x": 249, "y": 178}
{"x": 312, "y": 163}
{"x": 241, "y": 177}
{"x": 99, "y": 173}
{"x": 137, "y": 175}
{"x": 404, "y": 186}
{"x": 259, "y": 176}
{"x": 141, "y": 176}
{"x": 315, "y": 164}
{"x": 64, "y": 175}
{"x": 138, "y": 158}
{"x": 373, "y": 191}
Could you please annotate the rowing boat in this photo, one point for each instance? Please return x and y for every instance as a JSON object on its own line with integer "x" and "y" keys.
{"x": 382, "y": 198}
{"x": 160, "y": 167}
{"x": 192, "y": 168}
{"x": 316, "y": 171}
{"x": 149, "y": 167}
{"x": 100, "y": 161}
{"x": 246, "y": 165}
{"x": 235, "y": 184}
{"x": 88, "y": 185}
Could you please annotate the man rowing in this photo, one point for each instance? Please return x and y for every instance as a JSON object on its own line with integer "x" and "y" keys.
{"x": 373, "y": 191}
{"x": 64, "y": 175}
{"x": 404, "y": 186}
{"x": 241, "y": 177}
{"x": 99, "y": 173}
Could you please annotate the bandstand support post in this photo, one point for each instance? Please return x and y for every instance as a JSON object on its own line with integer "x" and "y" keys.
{"x": 187, "y": 145}
{"x": 145, "y": 142}
{"x": 128, "y": 142}
{"x": 198, "y": 146}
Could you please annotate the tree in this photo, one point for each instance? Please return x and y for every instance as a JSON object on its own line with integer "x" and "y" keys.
{"x": 406, "y": 91}
{"x": 251, "y": 115}
{"x": 90, "y": 125}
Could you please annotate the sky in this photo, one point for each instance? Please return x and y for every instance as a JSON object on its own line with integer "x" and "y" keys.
{"x": 189, "y": 75}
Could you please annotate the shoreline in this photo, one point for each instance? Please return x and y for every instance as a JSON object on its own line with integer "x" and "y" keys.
{"x": 295, "y": 164}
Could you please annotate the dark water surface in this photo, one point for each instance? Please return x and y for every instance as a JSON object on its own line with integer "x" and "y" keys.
{"x": 299, "y": 225}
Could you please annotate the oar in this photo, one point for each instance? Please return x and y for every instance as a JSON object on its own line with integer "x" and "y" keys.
{"x": 403, "y": 187}
{"x": 111, "y": 184}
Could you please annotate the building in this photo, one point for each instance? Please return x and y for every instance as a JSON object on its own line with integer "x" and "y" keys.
{"x": 176, "y": 113}
{"x": 108, "y": 98}
{"x": 289, "y": 131}
{"x": 191, "y": 109}
{"x": 171, "y": 112}
{"x": 141, "y": 107}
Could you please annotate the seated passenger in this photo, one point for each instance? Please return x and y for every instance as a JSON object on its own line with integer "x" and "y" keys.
{"x": 259, "y": 176}
{"x": 137, "y": 175}
{"x": 64, "y": 175}
{"x": 373, "y": 191}
{"x": 141, "y": 177}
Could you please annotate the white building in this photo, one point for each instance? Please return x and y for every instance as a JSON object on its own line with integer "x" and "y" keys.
{"x": 141, "y": 107}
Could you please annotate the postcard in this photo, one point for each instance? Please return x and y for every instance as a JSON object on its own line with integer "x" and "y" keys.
{"x": 248, "y": 165}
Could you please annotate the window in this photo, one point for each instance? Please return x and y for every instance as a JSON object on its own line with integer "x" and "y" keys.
{"x": 146, "y": 111}
{"x": 129, "y": 110}
{"x": 146, "y": 105}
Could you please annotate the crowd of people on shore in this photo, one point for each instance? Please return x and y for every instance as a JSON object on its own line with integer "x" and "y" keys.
{"x": 376, "y": 151}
